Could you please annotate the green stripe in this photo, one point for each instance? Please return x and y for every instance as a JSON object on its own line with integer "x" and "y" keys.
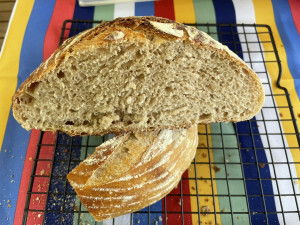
{"x": 205, "y": 13}
{"x": 227, "y": 139}
{"x": 85, "y": 151}
{"x": 104, "y": 12}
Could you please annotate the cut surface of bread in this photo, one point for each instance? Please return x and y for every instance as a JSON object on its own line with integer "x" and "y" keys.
{"x": 134, "y": 74}
{"x": 132, "y": 171}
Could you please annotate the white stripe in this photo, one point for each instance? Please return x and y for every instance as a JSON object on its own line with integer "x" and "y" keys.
{"x": 124, "y": 9}
{"x": 8, "y": 28}
{"x": 245, "y": 14}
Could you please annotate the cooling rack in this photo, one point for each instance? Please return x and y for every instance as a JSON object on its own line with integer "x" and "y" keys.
{"x": 235, "y": 177}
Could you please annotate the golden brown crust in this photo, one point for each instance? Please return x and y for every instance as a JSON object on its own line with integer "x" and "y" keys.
{"x": 133, "y": 28}
{"x": 155, "y": 172}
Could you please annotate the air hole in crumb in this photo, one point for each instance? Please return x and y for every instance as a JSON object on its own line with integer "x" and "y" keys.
{"x": 74, "y": 68}
{"x": 138, "y": 54}
{"x": 69, "y": 123}
{"x": 86, "y": 122}
{"x": 213, "y": 55}
{"x": 140, "y": 77}
{"x": 245, "y": 72}
{"x": 168, "y": 90}
{"x": 152, "y": 102}
{"x": 225, "y": 114}
{"x": 72, "y": 110}
{"x": 60, "y": 74}
{"x": 32, "y": 87}
{"x": 175, "y": 97}
{"x": 209, "y": 87}
{"x": 232, "y": 66}
{"x": 133, "y": 137}
{"x": 26, "y": 99}
{"x": 205, "y": 116}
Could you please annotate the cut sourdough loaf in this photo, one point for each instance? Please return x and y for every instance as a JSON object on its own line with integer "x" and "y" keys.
{"x": 130, "y": 172}
{"x": 134, "y": 74}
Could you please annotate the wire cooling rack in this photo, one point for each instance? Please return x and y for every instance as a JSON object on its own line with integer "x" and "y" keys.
{"x": 238, "y": 168}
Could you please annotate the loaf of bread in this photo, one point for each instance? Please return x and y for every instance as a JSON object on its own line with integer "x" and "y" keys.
{"x": 132, "y": 171}
{"x": 135, "y": 74}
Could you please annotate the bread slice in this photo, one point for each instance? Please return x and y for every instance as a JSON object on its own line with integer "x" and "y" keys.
{"x": 132, "y": 171}
{"x": 134, "y": 74}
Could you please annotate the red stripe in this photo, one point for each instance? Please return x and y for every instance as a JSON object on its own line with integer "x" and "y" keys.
{"x": 40, "y": 184}
{"x": 34, "y": 137}
{"x": 295, "y": 8}
{"x": 164, "y": 8}
{"x": 176, "y": 203}
{"x": 63, "y": 10}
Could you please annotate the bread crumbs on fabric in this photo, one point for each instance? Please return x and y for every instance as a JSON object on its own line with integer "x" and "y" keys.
{"x": 179, "y": 202}
{"x": 205, "y": 209}
{"x": 216, "y": 169}
{"x": 262, "y": 165}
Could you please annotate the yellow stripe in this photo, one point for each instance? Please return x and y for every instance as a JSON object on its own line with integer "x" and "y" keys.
{"x": 264, "y": 15}
{"x": 204, "y": 185}
{"x": 184, "y": 11}
{"x": 9, "y": 61}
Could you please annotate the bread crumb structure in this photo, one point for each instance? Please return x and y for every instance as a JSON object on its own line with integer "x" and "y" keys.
{"x": 135, "y": 74}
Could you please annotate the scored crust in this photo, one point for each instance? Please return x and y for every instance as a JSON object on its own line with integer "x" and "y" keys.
{"x": 110, "y": 185}
{"x": 133, "y": 28}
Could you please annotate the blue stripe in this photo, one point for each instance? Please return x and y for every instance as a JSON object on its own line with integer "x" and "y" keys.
{"x": 290, "y": 38}
{"x": 144, "y": 8}
{"x": 55, "y": 202}
{"x": 58, "y": 184}
{"x": 225, "y": 13}
{"x": 16, "y": 138}
{"x": 147, "y": 9}
{"x": 81, "y": 13}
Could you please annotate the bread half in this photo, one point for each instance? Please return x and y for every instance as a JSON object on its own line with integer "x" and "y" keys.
{"x": 135, "y": 74}
{"x": 132, "y": 171}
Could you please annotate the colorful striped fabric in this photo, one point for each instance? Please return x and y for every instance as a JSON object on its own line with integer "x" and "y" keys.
{"x": 33, "y": 34}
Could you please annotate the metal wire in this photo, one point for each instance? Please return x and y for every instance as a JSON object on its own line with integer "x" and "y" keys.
{"x": 60, "y": 204}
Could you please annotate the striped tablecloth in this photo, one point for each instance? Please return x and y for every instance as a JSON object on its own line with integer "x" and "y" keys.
{"x": 33, "y": 34}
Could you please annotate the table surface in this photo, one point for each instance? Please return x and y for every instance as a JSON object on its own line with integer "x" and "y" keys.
{"x": 245, "y": 172}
